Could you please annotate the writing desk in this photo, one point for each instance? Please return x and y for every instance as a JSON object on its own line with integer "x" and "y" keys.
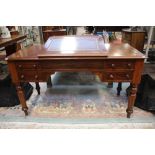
{"x": 115, "y": 62}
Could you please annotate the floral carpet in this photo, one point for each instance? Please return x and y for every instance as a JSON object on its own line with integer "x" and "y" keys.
{"x": 79, "y": 99}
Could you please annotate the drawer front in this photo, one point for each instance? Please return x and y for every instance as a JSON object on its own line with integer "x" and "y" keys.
{"x": 27, "y": 65}
{"x": 73, "y": 65}
{"x": 29, "y": 75}
{"x": 118, "y": 76}
{"x": 119, "y": 65}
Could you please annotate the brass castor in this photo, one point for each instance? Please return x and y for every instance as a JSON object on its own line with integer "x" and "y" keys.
{"x": 129, "y": 112}
{"x": 25, "y": 111}
{"x": 128, "y": 115}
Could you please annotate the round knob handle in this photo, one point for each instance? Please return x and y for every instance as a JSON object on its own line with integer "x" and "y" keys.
{"x": 111, "y": 76}
{"x": 20, "y": 66}
{"x": 22, "y": 76}
{"x": 129, "y": 65}
{"x": 112, "y": 65}
{"x": 34, "y": 65}
{"x": 127, "y": 75}
{"x": 36, "y": 76}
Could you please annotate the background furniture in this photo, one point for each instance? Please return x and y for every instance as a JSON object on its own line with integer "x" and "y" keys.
{"x": 12, "y": 44}
{"x": 109, "y": 28}
{"x": 8, "y": 93}
{"x": 49, "y": 31}
{"x": 33, "y": 35}
{"x": 113, "y": 63}
{"x": 135, "y": 38}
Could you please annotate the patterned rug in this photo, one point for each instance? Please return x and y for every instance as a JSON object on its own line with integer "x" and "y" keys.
{"x": 76, "y": 98}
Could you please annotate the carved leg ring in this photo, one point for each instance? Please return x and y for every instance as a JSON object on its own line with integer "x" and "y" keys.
{"x": 129, "y": 112}
{"x": 21, "y": 97}
{"x": 38, "y": 88}
{"x": 119, "y": 88}
{"x": 131, "y": 100}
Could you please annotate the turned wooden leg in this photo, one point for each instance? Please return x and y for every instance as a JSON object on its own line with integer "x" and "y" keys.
{"x": 119, "y": 88}
{"x": 49, "y": 82}
{"x": 131, "y": 100}
{"x": 25, "y": 111}
{"x": 21, "y": 97}
{"x": 128, "y": 90}
{"x": 38, "y": 88}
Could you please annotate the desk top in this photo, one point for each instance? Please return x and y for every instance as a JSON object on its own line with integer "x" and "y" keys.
{"x": 54, "y": 30}
{"x": 77, "y": 47}
{"x": 74, "y": 46}
{"x": 13, "y": 39}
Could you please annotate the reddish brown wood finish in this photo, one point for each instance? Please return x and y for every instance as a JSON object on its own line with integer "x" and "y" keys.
{"x": 50, "y": 33}
{"x": 113, "y": 63}
{"x": 13, "y": 39}
{"x": 135, "y": 38}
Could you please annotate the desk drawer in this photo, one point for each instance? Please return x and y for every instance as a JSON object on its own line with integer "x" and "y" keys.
{"x": 72, "y": 64}
{"x": 119, "y": 64}
{"x": 30, "y": 76}
{"x": 27, "y": 65}
{"x": 118, "y": 76}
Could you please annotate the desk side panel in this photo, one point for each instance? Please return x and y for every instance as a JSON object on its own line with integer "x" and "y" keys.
{"x": 13, "y": 71}
{"x": 138, "y": 71}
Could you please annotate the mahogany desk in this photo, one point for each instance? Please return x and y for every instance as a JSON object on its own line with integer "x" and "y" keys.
{"x": 114, "y": 62}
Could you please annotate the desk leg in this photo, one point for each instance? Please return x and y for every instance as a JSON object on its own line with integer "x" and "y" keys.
{"x": 119, "y": 88}
{"x": 38, "y": 88}
{"x": 49, "y": 82}
{"x": 21, "y": 97}
{"x": 131, "y": 100}
{"x": 110, "y": 85}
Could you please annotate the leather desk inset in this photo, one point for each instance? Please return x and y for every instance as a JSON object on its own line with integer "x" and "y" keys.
{"x": 112, "y": 62}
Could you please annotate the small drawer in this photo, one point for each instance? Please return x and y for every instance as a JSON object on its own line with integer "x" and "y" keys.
{"x": 30, "y": 65}
{"x": 119, "y": 65}
{"x": 72, "y": 64}
{"x": 118, "y": 76}
{"x": 30, "y": 76}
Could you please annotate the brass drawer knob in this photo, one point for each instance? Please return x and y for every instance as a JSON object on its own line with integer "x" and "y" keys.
{"x": 22, "y": 76}
{"x": 36, "y": 76}
{"x": 20, "y": 66}
{"x": 34, "y": 65}
{"x": 111, "y": 76}
{"x": 127, "y": 75}
{"x": 129, "y": 65}
{"x": 112, "y": 65}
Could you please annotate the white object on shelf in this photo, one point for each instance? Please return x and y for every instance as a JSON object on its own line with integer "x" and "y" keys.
{"x": 5, "y": 32}
{"x": 105, "y": 36}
